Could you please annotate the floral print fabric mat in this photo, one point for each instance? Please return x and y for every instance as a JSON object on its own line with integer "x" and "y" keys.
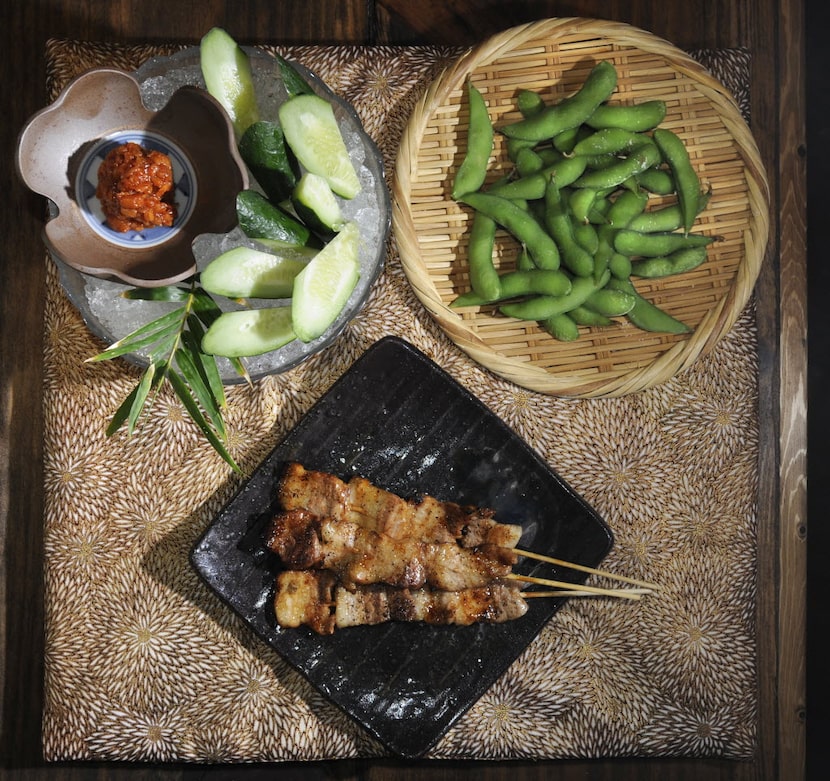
{"x": 144, "y": 663}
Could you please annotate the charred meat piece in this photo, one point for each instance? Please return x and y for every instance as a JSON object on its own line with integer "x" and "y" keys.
{"x": 360, "y": 502}
{"x": 361, "y": 556}
{"x": 315, "y": 599}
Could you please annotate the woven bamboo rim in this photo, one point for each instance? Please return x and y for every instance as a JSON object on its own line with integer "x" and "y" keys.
{"x": 554, "y": 56}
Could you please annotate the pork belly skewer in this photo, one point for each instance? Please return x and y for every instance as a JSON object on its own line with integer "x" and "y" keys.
{"x": 314, "y": 598}
{"x": 361, "y": 502}
{"x": 360, "y": 556}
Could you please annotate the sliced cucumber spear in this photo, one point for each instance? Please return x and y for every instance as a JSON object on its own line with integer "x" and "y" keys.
{"x": 312, "y": 132}
{"x": 227, "y": 73}
{"x": 269, "y": 159}
{"x": 323, "y": 287}
{"x": 243, "y": 272}
{"x": 317, "y": 206}
{"x": 249, "y": 332}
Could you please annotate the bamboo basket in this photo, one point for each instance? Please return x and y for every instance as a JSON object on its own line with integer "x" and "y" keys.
{"x": 554, "y": 56}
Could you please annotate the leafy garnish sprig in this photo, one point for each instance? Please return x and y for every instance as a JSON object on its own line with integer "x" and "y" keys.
{"x": 172, "y": 346}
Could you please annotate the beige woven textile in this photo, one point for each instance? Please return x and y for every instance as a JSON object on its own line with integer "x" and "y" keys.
{"x": 143, "y": 662}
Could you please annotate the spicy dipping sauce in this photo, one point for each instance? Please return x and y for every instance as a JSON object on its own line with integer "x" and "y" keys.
{"x": 135, "y": 187}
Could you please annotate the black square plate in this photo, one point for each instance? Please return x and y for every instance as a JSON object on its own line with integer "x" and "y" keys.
{"x": 400, "y": 421}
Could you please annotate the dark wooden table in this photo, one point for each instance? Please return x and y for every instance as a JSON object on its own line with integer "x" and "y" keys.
{"x": 772, "y": 30}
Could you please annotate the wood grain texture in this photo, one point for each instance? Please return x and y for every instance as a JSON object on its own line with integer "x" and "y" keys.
{"x": 773, "y": 32}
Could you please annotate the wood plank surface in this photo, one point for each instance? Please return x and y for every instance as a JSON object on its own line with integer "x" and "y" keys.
{"x": 774, "y": 33}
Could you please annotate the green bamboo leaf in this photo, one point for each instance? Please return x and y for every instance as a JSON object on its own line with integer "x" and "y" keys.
{"x": 166, "y": 293}
{"x": 122, "y": 413}
{"x": 207, "y": 363}
{"x": 144, "y": 336}
{"x": 206, "y": 309}
{"x": 183, "y": 392}
{"x": 142, "y": 392}
{"x": 199, "y": 388}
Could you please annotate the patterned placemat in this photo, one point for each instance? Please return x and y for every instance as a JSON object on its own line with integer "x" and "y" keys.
{"x": 144, "y": 663}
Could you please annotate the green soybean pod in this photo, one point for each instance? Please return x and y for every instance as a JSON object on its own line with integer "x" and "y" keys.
{"x": 565, "y": 141}
{"x": 543, "y": 307}
{"x": 609, "y": 140}
{"x": 637, "y": 118}
{"x": 666, "y": 218}
{"x": 686, "y": 180}
{"x": 581, "y": 315}
{"x": 640, "y": 158}
{"x": 570, "y": 112}
{"x": 529, "y": 102}
{"x": 519, "y": 284}
{"x": 561, "y": 327}
{"x": 655, "y": 245}
{"x": 559, "y": 223}
{"x": 676, "y": 263}
{"x": 473, "y": 169}
{"x": 520, "y": 223}
{"x": 528, "y": 161}
{"x": 648, "y": 316}
{"x": 655, "y": 180}
{"x": 523, "y": 260}
{"x": 581, "y": 202}
{"x": 515, "y": 145}
{"x": 626, "y": 206}
{"x": 484, "y": 279}
{"x": 620, "y": 266}
{"x": 530, "y": 187}
{"x": 610, "y": 302}
{"x": 586, "y": 236}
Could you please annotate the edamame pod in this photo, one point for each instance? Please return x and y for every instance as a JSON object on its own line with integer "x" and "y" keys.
{"x": 561, "y": 327}
{"x": 655, "y": 180}
{"x": 560, "y": 224}
{"x": 543, "y": 307}
{"x": 518, "y": 222}
{"x": 570, "y": 112}
{"x": 610, "y": 302}
{"x": 610, "y": 140}
{"x": 532, "y": 186}
{"x": 655, "y": 245}
{"x": 529, "y": 102}
{"x": 665, "y": 219}
{"x": 675, "y": 263}
{"x": 640, "y": 158}
{"x": 638, "y": 118}
{"x": 473, "y": 169}
{"x": 484, "y": 279}
{"x": 581, "y": 315}
{"x": 648, "y": 316}
{"x": 686, "y": 180}
{"x": 521, "y": 283}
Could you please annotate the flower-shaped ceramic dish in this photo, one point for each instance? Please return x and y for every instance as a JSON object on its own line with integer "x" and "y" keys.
{"x": 62, "y": 147}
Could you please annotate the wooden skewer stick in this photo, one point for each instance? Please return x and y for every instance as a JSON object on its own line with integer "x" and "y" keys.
{"x": 632, "y": 593}
{"x": 579, "y": 593}
{"x": 583, "y": 568}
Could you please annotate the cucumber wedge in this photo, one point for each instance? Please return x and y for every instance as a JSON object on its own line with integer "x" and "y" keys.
{"x": 261, "y": 219}
{"x": 294, "y": 83}
{"x": 317, "y": 206}
{"x": 243, "y": 272}
{"x": 227, "y": 73}
{"x": 322, "y": 288}
{"x": 249, "y": 332}
{"x": 312, "y": 132}
{"x": 267, "y": 156}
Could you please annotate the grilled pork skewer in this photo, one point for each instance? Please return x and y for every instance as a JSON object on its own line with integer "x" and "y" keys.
{"x": 361, "y": 502}
{"x": 361, "y": 556}
{"x": 316, "y": 599}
